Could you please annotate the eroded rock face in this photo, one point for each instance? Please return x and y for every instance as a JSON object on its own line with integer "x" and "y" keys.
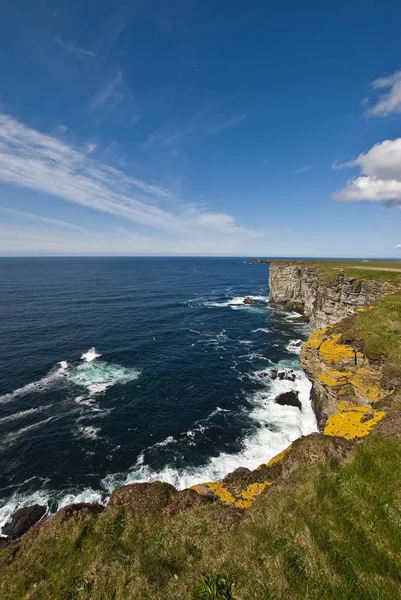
{"x": 22, "y": 520}
{"x": 296, "y": 287}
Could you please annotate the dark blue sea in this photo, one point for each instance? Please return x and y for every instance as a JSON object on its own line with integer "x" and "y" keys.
{"x": 116, "y": 370}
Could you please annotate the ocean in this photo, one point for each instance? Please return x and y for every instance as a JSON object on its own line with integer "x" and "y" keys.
{"x": 120, "y": 370}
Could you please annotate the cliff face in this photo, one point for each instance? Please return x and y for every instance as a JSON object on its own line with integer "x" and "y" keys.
{"x": 344, "y": 383}
{"x": 297, "y": 286}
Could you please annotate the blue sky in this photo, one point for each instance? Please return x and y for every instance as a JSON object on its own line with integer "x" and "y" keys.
{"x": 197, "y": 128}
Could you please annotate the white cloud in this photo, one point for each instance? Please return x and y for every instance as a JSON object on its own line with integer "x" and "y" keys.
{"x": 75, "y": 50}
{"x": 303, "y": 169}
{"x": 116, "y": 99}
{"x": 380, "y": 175}
{"x": 206, "y": 123}
{"x": 390, "y": 102}
{"x": 397, "y": 247}
{"x": 43, "y": 163}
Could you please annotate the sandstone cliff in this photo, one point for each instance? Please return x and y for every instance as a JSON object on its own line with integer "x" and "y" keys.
{"x": 297, "y": 286}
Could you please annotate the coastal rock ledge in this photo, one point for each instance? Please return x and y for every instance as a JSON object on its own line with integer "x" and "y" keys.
{"x": 297, "y": 286}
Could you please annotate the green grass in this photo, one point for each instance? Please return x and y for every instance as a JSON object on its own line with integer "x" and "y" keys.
{"x": 331, "y": 532}
{"x": 360, "y": 269}
{"x": 377, "y": 333}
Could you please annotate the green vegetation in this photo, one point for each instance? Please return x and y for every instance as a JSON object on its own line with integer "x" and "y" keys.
{"x": 329, "y": 531}
{"x": 377, "y": 333}
{"x": 214, "y": 588}
{"x": 374, "y": 270}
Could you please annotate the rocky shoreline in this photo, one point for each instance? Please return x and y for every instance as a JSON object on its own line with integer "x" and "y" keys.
{"x": 345, "y": 386}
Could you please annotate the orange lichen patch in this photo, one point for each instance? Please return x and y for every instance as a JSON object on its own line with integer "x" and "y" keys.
{"x": 368, "y": 383}
{"x": 353, "y": 422}
{"x": 361, "y": 309}
{"x": 333, "y": 378}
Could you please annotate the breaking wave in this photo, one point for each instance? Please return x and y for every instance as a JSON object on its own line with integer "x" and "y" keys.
{"x": 294, "y": 346}
{"x": 275, "y": 427}
{"x": 94, "y": 375}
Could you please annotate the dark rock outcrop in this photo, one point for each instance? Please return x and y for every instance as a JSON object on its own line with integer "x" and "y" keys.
{"x": 248, "y": 300}
{"x": 78, "y": 511}
{"x": 140, "y": 499}
{"x": 289, "y": 399}
{"x": 22, "y": 520}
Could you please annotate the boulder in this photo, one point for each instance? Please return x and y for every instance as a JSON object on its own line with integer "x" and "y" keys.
{"x": 289, "y": 399}
{"x": 22, "y": 520}
{"x": 273, "y": 374}
{"x": 248, "y": 300}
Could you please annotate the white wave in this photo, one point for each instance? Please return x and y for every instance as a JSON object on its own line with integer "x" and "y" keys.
{"x": 97, "y": 376}
{"x": 22, "y": 414}
{"x": 45, "y": 498}
{"x": 294, "y": 346}
{"x": 18, "y": 501}
{"x": 89, "y": 432}
{"x": 52, "y": 378}
{"x": 245, "y": 342}
{"x": 237, "y": 301}
{"x": 293, "y": 315}
{"x": 12, "y": 437}
{"x": 263, "y": 329}
{"x": 276, "y": 427}
{"x": 90, "y": 355}
{"x": 254, "y": 356}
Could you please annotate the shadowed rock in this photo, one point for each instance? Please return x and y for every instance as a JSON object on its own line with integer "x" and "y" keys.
{"x": 289, "y": 399}
{"x": 22, "y": 520}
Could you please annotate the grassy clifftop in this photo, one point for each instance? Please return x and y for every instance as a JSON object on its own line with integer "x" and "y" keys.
{"x": 376, "y": 270}
{"x": 324, "y": 520}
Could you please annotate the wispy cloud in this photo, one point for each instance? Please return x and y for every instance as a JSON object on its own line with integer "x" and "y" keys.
{"x": 75, "y": 49}
{"x": 303, "y": 169}
{"x": 21, "y": 214}
{"x": 390, "y": 102}
{"x": 115, "y": 97}
{"x": 32, "y": 160}
{"x": 206, "y": 123}
{"x": 380, "y": 175}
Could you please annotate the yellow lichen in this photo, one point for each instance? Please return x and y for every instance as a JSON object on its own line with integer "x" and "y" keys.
{"x": 368, "y": 382}
{"x": 353, "y": 422}
{"x": 221, "y": 492}
{"x": 333, "y": 377}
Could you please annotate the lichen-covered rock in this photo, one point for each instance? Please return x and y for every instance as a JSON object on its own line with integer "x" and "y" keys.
{"x": 295, "y": 286}
{"x": 341, "y": 376}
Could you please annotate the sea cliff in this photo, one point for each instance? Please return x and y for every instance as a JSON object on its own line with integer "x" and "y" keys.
{"x": 298, "y": 286}
{"x": 321, "y": 519}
